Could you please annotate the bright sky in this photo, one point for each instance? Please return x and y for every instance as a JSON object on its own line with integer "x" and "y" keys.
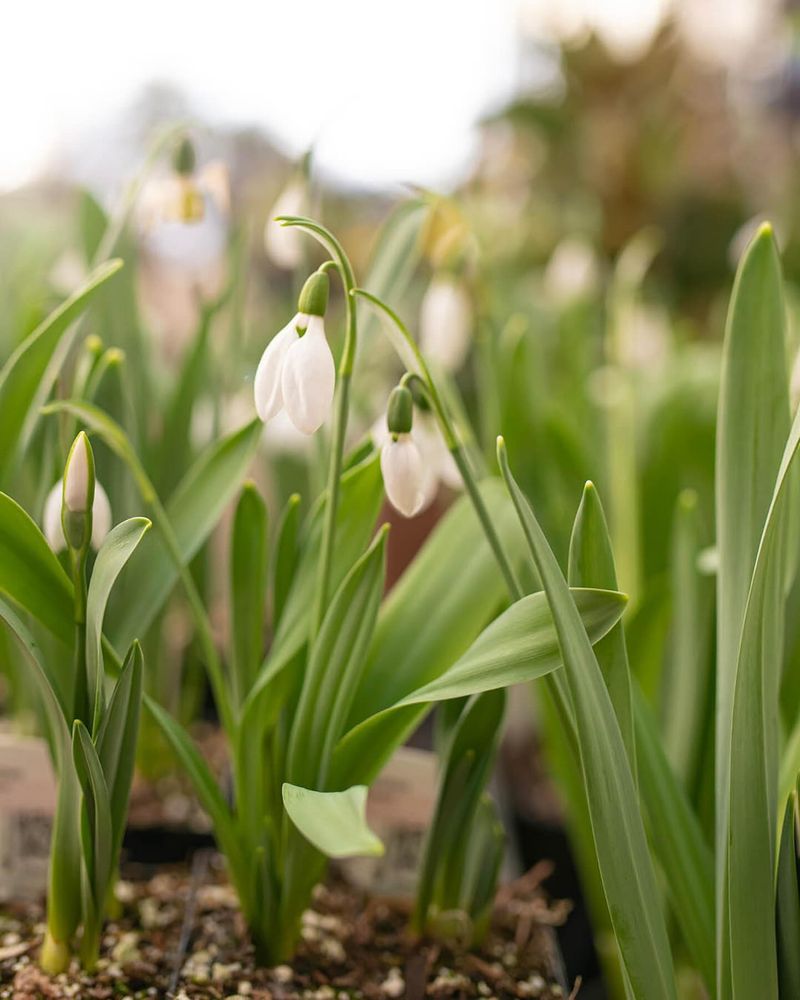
{"x": 387, "y": 91}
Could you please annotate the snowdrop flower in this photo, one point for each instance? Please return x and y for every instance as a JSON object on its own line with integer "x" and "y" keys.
{"x": 401, "y": 462}
{"x": 446, "y": 322}
{"x": 572, "y": 272}
{"x": 183, "y": 219}
{"x": 73, "y": 494}
{"x": 284, "y": 244}
{"x": 296, "y": 372}
{"x": 438, "y": 466}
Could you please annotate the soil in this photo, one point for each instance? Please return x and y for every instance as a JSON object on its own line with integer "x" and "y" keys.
{"x": 180, "y": 936}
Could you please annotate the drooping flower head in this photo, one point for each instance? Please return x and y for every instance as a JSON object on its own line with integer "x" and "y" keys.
{"x": 296, "y": 372}
{"x": 404, "y": 476}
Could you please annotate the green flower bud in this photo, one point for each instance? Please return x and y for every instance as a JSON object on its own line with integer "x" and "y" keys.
{"x": 313, "y": 299}
{"x": 78, "y": 494}
{"x": 184, "y": 159}
{"x": 400, "y": 411}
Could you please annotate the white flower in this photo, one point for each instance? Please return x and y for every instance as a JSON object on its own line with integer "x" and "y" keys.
{"x": 51, "y": 517}
{"x": 403, "y": 474}
{"x": 284, "y": 244}
{"x": 446, "y": 323}
{"x": 297, "y": 373}
{"x": 438, "y": 466}
{"x": 572, "y": 272}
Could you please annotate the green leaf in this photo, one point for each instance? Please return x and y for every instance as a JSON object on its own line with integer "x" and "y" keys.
{"x": 248, "y": 589}
{"x": 286, "y": 555}
{"x": 752, "y": 424}
{"x": 788, "y": 906}
{"x": 191, "y": 514}
{"x": 591, "y": 564}
{"x": 97, "y": 845}
{"x": 625, "y": 865}
{"x": 28, "y": 376}
{"x": 360, "y": 498}
{"x": 686, "y": 682}
{"x": 518, "y": 646}
{"x": 678, "y": 843}
{"x": 115, "y": 551}
{"x": 207, "y": 790}
{"x": 30, "y": 574}
{"x": 334, "y": 822}
{"x": 334, "y": 668}
{"x": 465, "y": 770}
{"x": 116, "y": 741}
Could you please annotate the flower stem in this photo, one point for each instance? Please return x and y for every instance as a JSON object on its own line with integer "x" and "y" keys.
{"x": 81, "y": 707}
{"x": 342, "y": 264}
{"x": 424, "y": 376}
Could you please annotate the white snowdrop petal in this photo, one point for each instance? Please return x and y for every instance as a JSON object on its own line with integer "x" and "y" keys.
{"x": 446, "y": 323}
{"x": 309, "y": 378}
{"x": 267, "y": 383}
{"x": 51, "y": 519}
{"x": 403, "y": 475}
{"x": 101, "y": 516}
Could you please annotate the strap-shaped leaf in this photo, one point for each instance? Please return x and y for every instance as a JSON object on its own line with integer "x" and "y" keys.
{"x": 465, "y": 770}
{"x": 752, "y": 424}
{"x": 114, "y": 553}
{"x": 98, "y": 835}
{"x": 30, "y": 575}
{"x": 116, "y": 741}
{"x": 334, "y": 822}
{"x": 788, "y": 905}
{"x": 625, "y": 865}
{"x": 334, "y": 668}
{"x": 591, "y": 564}
{"x": 27, "y": 377}
{"x": 286, "y": 555}
{"x": 518, "y": 646}
{"x": 248, "y": 589}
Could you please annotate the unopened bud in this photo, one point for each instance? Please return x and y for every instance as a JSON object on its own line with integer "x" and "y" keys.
{"x": 185, "y": 159}
{"x": 79, "y": 476}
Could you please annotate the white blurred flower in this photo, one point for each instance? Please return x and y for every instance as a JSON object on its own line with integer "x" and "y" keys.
{"x": 51, "y": 517}
{"x": 284, "y": 244}
{"x": 296, "y": 373}
{"x": 183, "y": 227}
{"x": 643, "y": 337}
{"x": 404, "y": 474}
{"x": 446, "y": 322}
{"x": 572, "y": 273}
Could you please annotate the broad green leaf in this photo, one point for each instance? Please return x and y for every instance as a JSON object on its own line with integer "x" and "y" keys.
{"x": 334, "y": 822}
{"x": 28, "y": 376}
{"x": 752, "y": 424}
{"x": 591, "y": 564}
{"x": 334, "y": 668}
{"x": 753, "y": 772}
{"x": 678, "y": 843}
{"x": 788, "y": 906}
{"x": 116, "y": 740}
{"x": 30, "y": 575}
{"x": 248, "y": 590}
{"x": 114, "y": 553}
{"x": 97, "y": 845}
{"x": 518, "y": 646}
{"x": 620, "y": 842}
